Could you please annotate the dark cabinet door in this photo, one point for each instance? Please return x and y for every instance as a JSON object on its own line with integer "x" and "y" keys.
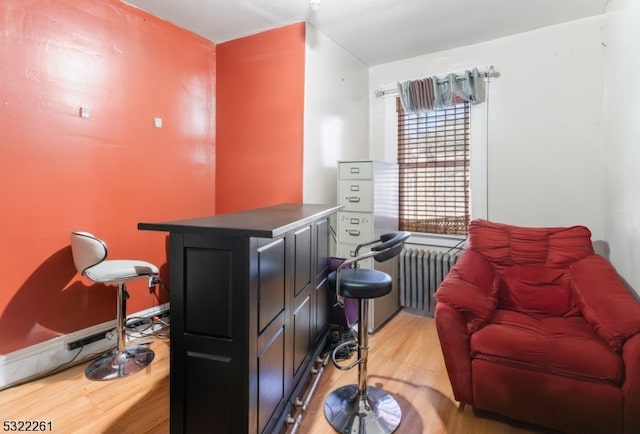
{"x": 321, "y": 287}
{"x": 271, "y": 285}
{"x": 302, "y": 296}
{"x": 209, "y": 385}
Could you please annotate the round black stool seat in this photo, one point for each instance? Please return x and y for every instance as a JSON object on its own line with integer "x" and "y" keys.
{"x": 361, "y": 283}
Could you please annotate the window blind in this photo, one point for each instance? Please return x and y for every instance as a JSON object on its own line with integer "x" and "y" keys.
{"x": 433, "y": 162}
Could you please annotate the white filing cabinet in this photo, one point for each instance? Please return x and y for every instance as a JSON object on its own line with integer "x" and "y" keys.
{"x": 369, "y": 192}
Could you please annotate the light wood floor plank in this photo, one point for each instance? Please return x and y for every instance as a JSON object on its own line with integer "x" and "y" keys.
{"x": 135, "y": 404}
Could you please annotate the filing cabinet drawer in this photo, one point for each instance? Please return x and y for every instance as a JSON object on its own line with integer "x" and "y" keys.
{"x": 354, "y": 227}
{"x": 355, "y": 195}
{"x": 346, "y": 251}
{"x": 355, "y": 170}
{"x": 349, "y": 251}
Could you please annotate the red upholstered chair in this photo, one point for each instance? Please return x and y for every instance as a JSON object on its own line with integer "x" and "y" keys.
{"x": 536, "y": 327}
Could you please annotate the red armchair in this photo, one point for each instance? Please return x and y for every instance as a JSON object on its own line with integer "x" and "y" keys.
{"x": 536, "y": 327}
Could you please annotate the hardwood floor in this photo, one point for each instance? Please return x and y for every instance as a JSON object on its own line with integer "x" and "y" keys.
{"x": 404, "y": 359}
{"x": 135, "y": 404}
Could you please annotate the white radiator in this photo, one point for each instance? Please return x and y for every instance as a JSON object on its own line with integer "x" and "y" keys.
{"x": 421, "y": 272}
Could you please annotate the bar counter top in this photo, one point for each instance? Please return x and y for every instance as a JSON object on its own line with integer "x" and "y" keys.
{"x": 267, "y": 222}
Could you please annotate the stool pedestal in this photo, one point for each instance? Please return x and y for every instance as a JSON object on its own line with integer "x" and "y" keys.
{"x": 361, "y": 408}
{"x": 123, "y": 360}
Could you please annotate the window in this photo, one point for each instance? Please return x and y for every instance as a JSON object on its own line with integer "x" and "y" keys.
{"x": 434, "y": 160}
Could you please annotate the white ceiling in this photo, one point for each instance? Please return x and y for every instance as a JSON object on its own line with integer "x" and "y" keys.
{"x": 375, "y": 31}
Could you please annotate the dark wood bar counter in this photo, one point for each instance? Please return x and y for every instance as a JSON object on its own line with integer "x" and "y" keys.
{"x": 248, "y": 314}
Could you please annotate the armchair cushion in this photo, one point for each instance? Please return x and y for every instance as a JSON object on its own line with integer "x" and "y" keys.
{"x": 535, "y": 289}
{"x": 604, "y": 301}
{"x": 565, "y": 346}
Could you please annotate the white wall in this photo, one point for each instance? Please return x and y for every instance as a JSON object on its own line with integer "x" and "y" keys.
{"x": 622, "y": 131}
{"x": 545, "y": 132}
{"x": 335, "y": 115}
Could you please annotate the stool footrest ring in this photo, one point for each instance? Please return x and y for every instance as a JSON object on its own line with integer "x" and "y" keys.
{"x": 351, "y": 343}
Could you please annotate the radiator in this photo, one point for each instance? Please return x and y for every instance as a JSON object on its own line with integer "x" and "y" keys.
{"x": 421, "y": 272}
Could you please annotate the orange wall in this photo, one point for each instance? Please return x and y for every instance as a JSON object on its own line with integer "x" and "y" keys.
{"x": 59, "y": 172}
{"x": 260, "y": 113}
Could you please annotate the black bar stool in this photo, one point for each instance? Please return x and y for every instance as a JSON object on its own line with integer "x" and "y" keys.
{"x": 361, "y": 408}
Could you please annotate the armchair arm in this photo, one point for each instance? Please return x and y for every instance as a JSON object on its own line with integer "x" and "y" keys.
{"x": 466, "y": 301}
{"x": 456, "y": 349}
{"x": 605, "y": 302}
{"x": 470, "y": 288}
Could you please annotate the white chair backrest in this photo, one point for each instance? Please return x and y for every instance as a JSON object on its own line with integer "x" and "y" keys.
{"x": 87, "y": 250}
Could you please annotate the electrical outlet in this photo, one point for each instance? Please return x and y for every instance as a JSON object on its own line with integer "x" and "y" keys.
{"x": 86, "y": 341}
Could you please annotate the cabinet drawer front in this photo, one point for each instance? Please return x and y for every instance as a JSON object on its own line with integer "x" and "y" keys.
{"x": 355, "y": 170}
{"x": 355, "y": 195}
{"x": 355, "y": 228}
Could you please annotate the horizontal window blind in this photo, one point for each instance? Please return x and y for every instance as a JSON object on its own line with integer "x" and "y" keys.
{"x": 433, "y": 160}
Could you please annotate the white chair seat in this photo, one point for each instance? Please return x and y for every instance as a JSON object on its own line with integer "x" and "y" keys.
{"x": 118, "y": 270}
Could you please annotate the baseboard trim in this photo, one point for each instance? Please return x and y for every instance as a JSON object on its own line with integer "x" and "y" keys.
{"x": 41, "y": 359}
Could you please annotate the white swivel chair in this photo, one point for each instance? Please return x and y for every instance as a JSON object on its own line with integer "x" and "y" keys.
{"x": 89, "y": 254}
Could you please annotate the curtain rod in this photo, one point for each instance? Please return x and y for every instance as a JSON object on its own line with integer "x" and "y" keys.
{"x": 485, "y": 70}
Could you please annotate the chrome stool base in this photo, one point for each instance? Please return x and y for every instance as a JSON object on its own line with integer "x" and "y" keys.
{"x": 118, "y": 364}
{"x": 349, "y": 412}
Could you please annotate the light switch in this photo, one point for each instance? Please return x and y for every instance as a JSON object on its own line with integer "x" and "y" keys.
{"x": 85, "y": 113}
{"x": 157, "y": 122}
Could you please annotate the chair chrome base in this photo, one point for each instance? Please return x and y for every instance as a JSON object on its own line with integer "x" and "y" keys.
{"x": 118, "y": 364}
{"x": 374, "y": 413}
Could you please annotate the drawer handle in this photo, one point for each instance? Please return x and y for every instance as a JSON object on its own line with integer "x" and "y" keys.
{"x": 354, "y": 221}
{"x": 354, "y": 199}
{"x": 355, "y": 170}
{"x": 354, "y": 187}
{"x": 354, "y": 232}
